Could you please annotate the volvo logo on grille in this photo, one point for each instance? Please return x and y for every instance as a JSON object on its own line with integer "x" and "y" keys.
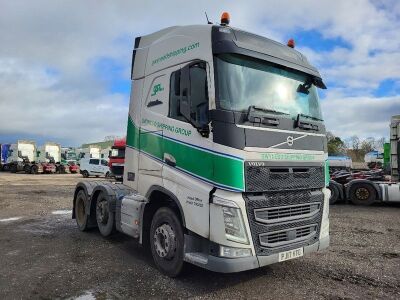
{"x": 289, "y": 140}
{"x": 256, "y": 163}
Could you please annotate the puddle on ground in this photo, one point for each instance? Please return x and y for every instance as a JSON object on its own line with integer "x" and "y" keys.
{"x": 89, "y": 295}
{"x": 62, "y": 212}
{"x": 10, "y": 219}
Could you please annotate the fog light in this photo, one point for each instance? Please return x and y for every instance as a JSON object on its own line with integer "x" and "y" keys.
{"x": 230, "y": 252}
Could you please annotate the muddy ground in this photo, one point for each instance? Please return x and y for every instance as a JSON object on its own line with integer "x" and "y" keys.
{"x": 43, "y": 255}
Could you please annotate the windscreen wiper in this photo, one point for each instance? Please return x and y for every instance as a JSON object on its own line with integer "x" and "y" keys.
{"x": 266, "y": 118}
{"x": 307, "y": 125}
{"x": 310, "y": 117}
{"x": 267, "y": 110}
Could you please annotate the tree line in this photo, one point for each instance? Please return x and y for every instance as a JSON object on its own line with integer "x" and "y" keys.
{"x": 354, "y": 146}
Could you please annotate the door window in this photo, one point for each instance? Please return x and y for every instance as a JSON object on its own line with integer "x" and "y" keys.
{"x": 94, "y": 161}
{"x": 188, "y": 98}
{"x": 104, "y": 162}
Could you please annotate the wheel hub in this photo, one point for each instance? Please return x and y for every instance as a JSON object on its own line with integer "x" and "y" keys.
{"x": 102, "y": 211}
{"x": 362, "y": 193}
{"x": 165, "y": 241}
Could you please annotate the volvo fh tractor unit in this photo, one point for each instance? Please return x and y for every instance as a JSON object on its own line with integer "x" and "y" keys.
{"x": 226, "y": 153}
{"x": 20, "y": 156}
{"x": 91, "y": 151}
{"x": 48, "y": 159}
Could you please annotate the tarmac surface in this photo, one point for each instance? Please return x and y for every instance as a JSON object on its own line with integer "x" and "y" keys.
{"x": 44, "y": 256}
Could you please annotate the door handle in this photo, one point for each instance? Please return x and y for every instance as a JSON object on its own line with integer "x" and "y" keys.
{"x": 169, "y": 160}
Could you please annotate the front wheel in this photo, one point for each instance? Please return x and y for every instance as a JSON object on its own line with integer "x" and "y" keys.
{"x": 167, "y": 241}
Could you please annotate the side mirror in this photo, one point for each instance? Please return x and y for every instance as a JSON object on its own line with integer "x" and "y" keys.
{"x": 204, "y": 131}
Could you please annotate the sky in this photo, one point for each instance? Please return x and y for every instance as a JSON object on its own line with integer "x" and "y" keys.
{"x": 64, "y": 65}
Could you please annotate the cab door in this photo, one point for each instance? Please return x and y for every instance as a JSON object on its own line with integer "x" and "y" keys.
{"x": 152, "y": 126}
{"x": 188, "y": 164}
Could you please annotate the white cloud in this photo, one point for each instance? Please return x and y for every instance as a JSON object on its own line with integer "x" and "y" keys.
{"x": 362, "y": 116}
{"x": 48, "y": 85}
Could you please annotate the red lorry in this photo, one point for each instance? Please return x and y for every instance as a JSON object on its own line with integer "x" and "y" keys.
{"x": 117, "y": 158}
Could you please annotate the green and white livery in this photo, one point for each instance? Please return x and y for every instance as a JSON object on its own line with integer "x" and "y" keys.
{"x": 225, "y": 165}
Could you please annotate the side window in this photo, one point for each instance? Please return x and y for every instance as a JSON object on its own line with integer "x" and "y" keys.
{"x": 189, "y": 92}
{"x": 104, "y": 162}
{"x": 94, "y": 161}
{"x": 174, "y": 96}
{"x": 198, "y": 94}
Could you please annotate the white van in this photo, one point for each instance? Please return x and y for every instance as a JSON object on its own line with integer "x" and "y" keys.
{"x": 94, "y": 167}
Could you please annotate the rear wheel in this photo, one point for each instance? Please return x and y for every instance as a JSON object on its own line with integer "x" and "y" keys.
{"x": 34, "y": 169}
{"x": 362, "y": 194}
{"x": 81, "y": 217}
{"x": 13, "y": 168}
{"x": 105, "y": 218}
{"x": 85, "y": 174}
{"x": 166, "y": 240}
{"x": 334, "y": 194}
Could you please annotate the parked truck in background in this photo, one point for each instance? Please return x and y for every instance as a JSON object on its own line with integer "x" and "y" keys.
{"x": 91, "y": 151}
{"x": 367, "y": 188}
{"x": 3, "y": 156}
{"x": 116, "y": 160}
{"x": 20, "y": 156}
{"x": 69, "y": 159}
{"x": 105, "y": 153}
{"x": 226, "y": 153}
{"x": 48, "y": 159}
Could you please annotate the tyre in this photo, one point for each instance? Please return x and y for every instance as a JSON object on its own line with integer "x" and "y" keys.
{"x": 107, "y": 175}
{"x": 362, "y": 194}
{"x": 81, "y": 217}
{"x": 34, "y": 169}
{"x": 167, "y": 241}
{"x": 85, "y": 174}
{"x": 334, "y": 194}
{"x": 104, "y": 217}
{"x": 13, "y": 168}
{"x": 61, "y": 169}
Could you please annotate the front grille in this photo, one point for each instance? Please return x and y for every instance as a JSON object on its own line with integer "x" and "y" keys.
{"x": 281, "y": 221}
{"x": 286, "y": 213}
{"x": 267, "y": 178}
{"x": 286, "y": 237}
{"x": 117, "y": 170}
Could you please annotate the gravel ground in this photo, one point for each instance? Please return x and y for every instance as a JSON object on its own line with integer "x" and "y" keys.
{"x": 43, "y": 255}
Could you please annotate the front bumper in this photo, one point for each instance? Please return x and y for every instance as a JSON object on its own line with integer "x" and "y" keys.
{"x": 232, "y": 265}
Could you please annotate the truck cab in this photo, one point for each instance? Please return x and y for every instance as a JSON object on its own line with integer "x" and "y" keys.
{"x": 226, "y": 153}
{"x": 19, "y": 155}
{"x": 49, "y": 158}
{"x": 117, "y": 158}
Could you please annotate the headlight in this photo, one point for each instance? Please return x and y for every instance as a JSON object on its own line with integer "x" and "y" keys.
{"x": 234, "y": 226}
{"x": 231, "y": 252}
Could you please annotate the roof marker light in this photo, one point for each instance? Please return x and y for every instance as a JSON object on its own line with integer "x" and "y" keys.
{"x": 290, "y": 43}
{"x": 225, "y": 18}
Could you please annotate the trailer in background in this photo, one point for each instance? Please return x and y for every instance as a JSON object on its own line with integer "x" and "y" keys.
{"x": 365, "y": 188}
{"x": 340, "y": 163}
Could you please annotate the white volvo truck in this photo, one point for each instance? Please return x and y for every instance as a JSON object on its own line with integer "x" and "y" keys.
{"x": 226, "y": 157}
{"x": 20, "y": 156}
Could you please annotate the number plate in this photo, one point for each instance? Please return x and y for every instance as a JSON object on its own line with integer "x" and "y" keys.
{"x": 295, "y": 253}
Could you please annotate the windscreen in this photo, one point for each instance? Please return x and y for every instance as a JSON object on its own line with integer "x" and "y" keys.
{"x": 242, "y": 81}
{"x": 118, "y": 153}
